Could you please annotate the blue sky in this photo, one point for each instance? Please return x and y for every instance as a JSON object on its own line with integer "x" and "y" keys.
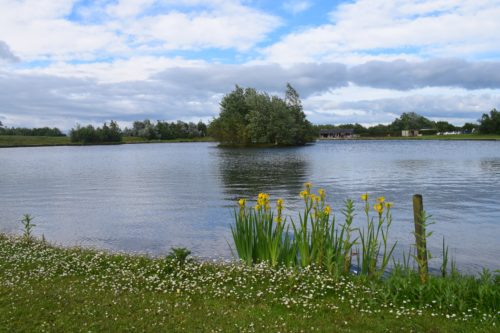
{"x": 64, "y": 62}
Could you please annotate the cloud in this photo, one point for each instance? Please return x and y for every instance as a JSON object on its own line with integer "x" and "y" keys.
{"x": 427, "y": 28}
{"x": 65, "y": 30}
{"x": 297, "y": 6}
{"x": 404, "y": 75}
{"x": 331, "y": 92}
{"x": 6, "y": 54}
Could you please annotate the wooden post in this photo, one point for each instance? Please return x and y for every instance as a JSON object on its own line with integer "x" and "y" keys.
{"x": 421, "y": 243}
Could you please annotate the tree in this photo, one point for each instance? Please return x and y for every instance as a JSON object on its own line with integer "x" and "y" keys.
{"x": 251, "y": 117}
{"x": 490, "y": 124}
{"x": 444, "y": 126}
{"x": 411, "y": 121}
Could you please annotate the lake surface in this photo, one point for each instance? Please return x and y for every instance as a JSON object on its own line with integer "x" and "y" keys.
{"x": 149, "y": 198}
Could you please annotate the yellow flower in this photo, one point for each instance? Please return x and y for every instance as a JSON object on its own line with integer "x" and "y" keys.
{"x": 364, "y": 197}
{"x": 380, "y": 199}
{"x": 314, "y": 197}
{"x": 303, "y": 194}
{"x": 257, "y": 207}
{"x": 389, "y": 205}
{"x": 322, "y": 193}
{"x": 280, "y": 203}
{"x": 379, "y": 208}
{"x": 327, "y": 210}
{"x": 308, "y": 187}
{"x": 242, "y": 202}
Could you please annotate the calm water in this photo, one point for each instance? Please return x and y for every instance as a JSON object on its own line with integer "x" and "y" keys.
{"x": 148, "y": 198}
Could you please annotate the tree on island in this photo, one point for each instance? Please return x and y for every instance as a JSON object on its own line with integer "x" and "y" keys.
{"x": 490, "y": 124}
{"x": 249, "y": 117}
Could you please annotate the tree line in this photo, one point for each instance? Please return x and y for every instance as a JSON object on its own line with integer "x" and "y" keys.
{"x": 408, "y": 121}
{"x": 163, "y": 130}
{"x": 249, "y": 117}
{"x": 41, "y": 131}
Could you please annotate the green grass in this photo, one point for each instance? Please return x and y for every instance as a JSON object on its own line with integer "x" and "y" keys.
{"x": 46, "y": 288}
{"x": 37, "y": 141}
{"x": 22, "y": 141}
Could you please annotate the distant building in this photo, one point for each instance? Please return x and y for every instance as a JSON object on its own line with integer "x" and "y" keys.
{"x": 410, "y": 133}
{"x": 339, "y": 133}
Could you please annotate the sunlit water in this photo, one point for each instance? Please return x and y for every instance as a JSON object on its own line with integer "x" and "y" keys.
{"x": 149, "y": 198}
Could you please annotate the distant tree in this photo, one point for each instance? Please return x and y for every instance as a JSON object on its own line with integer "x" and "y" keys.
{"x": 409, "y": 121}
{"x": 90, "y": 134}
{"x": 444, "y": 126}
{"x": 470, "y": 127}
{"x": 490, "y": 124}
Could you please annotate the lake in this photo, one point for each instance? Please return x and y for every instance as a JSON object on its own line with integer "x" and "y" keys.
{"x": 148, "y": 198}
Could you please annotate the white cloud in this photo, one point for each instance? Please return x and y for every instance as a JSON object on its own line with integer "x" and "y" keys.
{"x": 41, "y": 29}
{"x": 424, "y": 28}
{"x": 297, "y": 6}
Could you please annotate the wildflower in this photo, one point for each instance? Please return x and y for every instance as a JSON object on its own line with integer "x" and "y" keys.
{"x": 364, "y": 197}
{"x": 327, "y": 210}
{"x": 314, "y": 197}
{"x": 380, "y": 199}
{"x": 303, "y": 194}
{"x": 279, "y": 204}
{"x": 308, "y": 187}
{"x": 242, "y": 202}
{"x": 322, "y": 194}
{"x": 389, "y": 205}
{"x": 379, "y": 208}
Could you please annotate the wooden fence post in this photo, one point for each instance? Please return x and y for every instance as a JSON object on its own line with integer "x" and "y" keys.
{"x": 420, "y": 240}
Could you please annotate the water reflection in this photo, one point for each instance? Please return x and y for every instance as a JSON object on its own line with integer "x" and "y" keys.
{"x": 247, "y": 172}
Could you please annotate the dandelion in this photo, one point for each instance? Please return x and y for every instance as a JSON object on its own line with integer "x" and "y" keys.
{"x": 364, "y": 197}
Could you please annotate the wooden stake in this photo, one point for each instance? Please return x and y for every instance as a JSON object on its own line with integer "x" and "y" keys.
{"x": 420, "y": 240}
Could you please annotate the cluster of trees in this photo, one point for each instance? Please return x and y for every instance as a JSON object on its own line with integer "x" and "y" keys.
{"x": 91, "y": 134}
{"x": 490, "y": 124}
{"x": 163, "y": 130}
{"x": 42, "y": 131}
{"x": 406, "y": 121}
{"x": 250, "y": 117}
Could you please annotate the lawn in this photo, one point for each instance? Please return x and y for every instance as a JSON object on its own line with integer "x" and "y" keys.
{"x": 47, "y": 288}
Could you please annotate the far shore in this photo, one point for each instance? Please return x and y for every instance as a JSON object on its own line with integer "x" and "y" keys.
{"x": 15, "y": 141}
{"x": 18, "y": 141}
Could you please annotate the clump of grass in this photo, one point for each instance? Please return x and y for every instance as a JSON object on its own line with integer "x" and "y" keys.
{"x": 316, "y": 240}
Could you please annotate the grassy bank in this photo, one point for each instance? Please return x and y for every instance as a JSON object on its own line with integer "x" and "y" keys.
{"x": 46, "y": 288}
{"x": 40, "y": 141}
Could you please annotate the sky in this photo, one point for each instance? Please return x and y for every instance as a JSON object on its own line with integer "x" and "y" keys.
{"x": 64, "y": 62}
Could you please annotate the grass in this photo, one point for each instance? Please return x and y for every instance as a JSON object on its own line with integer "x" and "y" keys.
{"x": 47, "y": 288}
{"x": 39, "y": 141}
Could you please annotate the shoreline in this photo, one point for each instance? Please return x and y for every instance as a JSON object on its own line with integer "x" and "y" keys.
{"x": 24, "y": 141}
{"x": 64, "y": 142}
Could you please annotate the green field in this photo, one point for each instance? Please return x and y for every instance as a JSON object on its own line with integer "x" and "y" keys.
{"x": 50, "y": 289}
{"x": 35, "y": 141}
